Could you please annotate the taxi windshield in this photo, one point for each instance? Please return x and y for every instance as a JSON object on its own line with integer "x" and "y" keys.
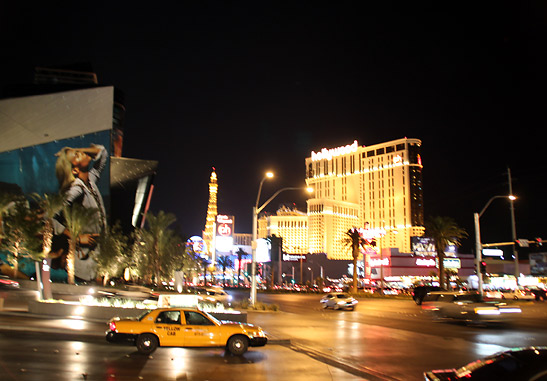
{"x": 141, "y": 316}
{"x": 213, "y": 319}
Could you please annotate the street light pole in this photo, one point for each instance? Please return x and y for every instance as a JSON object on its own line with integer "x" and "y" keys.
{"x": 256, "y": 211}
{"x": 513, "y": 227}
{"x": 478, "y": 249}
{"x": 478, "y": 244}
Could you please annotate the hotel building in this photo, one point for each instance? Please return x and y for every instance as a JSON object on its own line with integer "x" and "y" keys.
{"x": 378, "y": 187}
{"x": 290, "y": 224}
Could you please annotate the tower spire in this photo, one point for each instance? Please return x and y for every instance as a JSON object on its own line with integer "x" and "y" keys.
{"x": 209, "y": 231}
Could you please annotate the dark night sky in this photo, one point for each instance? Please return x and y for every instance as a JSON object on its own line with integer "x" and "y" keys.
{"x": 247, "y": 87}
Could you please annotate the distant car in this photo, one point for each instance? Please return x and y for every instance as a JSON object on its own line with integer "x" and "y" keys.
{"x": 338, "y": 300}
{"x": 518, "y": 294}
{"x": 214, "y": 295}
{"x": 419, "y": 292}
{"x": 184, "y": 327}
{"x": 8, "y": 283}
{"x": 468, "y": 307}
{"x": 515, "y": 364}
{"x": 493, "y": 294}
{"x": 540, "y": 294}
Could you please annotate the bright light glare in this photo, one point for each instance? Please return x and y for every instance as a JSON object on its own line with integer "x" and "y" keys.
{"x": 269, "y": 175}
{"x": 512, "y": 198}
{"x": 309, "y": 189}
{"x": 78, "y": 325}
{"x": 77, "y": 345}
{"x": 487, "y": 311}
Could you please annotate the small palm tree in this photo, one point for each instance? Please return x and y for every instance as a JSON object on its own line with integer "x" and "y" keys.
{"x": 204, "y": 262}
{"x": 20, "y": 234}
{"x": 240, "y": 253}
{"x": 114, "y": 255}
{"x": 225, "y": 262}
{"x": 50, "y": 205}
{"x": 354, "y": 241}
{"x": 77, "y": 217}
{"x": 444, "y": 231}
{"x": 158, "y": 240}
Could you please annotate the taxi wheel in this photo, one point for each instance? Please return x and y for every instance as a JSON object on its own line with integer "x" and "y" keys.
{"x": 147, "y": 343}
{"x": 237, "y": 345}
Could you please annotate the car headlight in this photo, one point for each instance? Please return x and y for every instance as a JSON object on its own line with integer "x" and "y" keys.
{"x": 510, "y": 310}
{"x": 487, "y": 311}
{"x": 257, "y": 334}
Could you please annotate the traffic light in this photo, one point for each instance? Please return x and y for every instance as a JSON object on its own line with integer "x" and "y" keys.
{"x": 483, "y": 267}
{"x": 522, "y": 242}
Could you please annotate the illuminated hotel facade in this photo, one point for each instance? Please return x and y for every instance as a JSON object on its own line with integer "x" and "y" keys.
{"x": 377, "y": 187}
{"x": 291, "y": 225}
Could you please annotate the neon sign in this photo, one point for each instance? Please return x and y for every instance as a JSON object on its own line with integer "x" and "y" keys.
{"x": 333, "y": 152}
{"x": 377, "y": 262}
{"x": 426, "y": 262}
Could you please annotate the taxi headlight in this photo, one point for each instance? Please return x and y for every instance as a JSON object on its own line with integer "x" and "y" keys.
{"x": 257, "y": 334}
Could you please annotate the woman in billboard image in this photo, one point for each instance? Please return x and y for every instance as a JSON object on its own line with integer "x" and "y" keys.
{"x": 78, "y": 171}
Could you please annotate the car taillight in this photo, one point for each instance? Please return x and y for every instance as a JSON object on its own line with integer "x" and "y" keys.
{"x": 112, "y": 326}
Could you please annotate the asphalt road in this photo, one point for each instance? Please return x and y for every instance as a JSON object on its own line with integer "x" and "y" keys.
{"x": 382, "y": 339}
{"x": 395, "y": 337}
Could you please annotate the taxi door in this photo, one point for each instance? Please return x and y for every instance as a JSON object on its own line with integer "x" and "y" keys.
{"x": 168, "y": 328}
{"x": 199, "y": 331}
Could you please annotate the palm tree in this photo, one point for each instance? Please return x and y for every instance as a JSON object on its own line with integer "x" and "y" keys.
{"x": 21, "y": 229}
{"x": 114, "y": 255}
{"x": 224, "y": 262}
{"x": 354, "y": 241}
{"x": 444, "y": 231}
{"x": 158, "y": 240}
{"x": 50, "y": 205}
{"x": 204, "y": 262}
{"x": 240, "y": 253}
{"x": 77, "y": 217}
{"x": 6, "y": 203}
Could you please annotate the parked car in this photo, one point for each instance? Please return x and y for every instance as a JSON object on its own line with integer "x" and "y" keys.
{"x": 338, "y": 300}
{"x": 515, "y": 364}
{"x": 184, "y": 327}
{"x": 468, "y": 307}
{"x": 419, "y": 292}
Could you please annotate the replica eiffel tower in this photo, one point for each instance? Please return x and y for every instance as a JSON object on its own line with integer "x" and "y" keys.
{"x": 209, "y": 232}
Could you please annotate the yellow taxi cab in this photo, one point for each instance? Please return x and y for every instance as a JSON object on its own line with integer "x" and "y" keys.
{"x": 184, "y": 327}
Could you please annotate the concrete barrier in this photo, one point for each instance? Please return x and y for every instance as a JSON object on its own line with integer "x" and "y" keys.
{"x": 106, "y": 313}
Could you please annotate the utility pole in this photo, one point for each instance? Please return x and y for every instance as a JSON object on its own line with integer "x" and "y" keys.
{"x": 513, "y": 227}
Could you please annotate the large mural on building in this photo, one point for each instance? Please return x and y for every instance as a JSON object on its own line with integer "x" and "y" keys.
{"x": 77, "y": 168}
{"x": 58, "y": 143}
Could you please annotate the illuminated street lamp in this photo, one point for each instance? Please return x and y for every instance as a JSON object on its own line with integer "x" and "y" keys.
{"x": 478, "y": 244}
{"x": 256, "y": 211}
